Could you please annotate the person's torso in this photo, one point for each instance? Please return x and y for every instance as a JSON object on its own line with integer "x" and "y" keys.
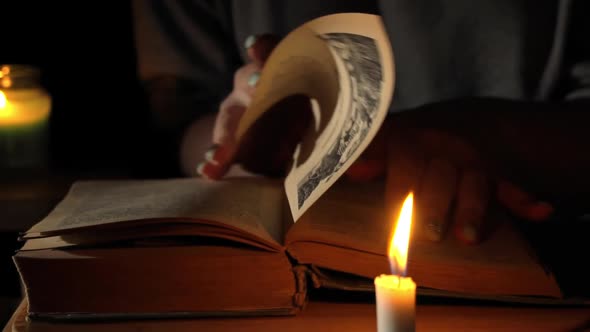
{"x": 443, "y": 49}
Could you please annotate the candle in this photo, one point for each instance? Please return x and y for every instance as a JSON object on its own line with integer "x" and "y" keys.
{"x": 396, "y": 293}
{"x": 24, "y": 118}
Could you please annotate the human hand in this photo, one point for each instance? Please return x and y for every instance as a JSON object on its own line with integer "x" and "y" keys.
{"x": 268, "y": 146}
{"x": 454, "y": 174}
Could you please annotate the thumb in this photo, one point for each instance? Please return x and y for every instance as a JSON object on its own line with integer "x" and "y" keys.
{"x": 220, "y": 157}
{"x": 259, "y": 47}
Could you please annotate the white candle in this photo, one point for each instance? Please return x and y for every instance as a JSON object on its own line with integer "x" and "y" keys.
{"x": 396, "y": 303}
{"x": 395, "y": 293}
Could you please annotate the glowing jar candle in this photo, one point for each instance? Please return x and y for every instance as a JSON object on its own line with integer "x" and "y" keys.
{"x": 24, "y": 118}
{"x": 395, "y": 293}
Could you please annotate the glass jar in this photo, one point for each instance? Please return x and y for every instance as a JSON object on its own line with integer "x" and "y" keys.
{"x": 25, "y": 108}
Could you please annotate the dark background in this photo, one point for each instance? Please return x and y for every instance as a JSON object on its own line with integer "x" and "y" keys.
{"x": 86, "y": 54}
{"x": 85, "y": 51}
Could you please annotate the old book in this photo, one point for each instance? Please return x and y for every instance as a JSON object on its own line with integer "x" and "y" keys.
{"x": 255, "y": 246}
{"x": 176, "y": 247}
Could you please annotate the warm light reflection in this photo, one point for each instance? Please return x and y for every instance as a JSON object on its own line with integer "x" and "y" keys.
{"x": 24, "y": 108}
{"x": 400, "y": 241}
{"x": 6, "y": 82}
{"x": 5, "y": 109}
{"x": 394, "y": 282}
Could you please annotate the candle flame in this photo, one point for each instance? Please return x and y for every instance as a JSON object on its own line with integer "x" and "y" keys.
{"x": 400, "y": 241}
{"x": 6, "y": 82}
{"x": 2, "y": 100}
{"x": 5, "y": 111}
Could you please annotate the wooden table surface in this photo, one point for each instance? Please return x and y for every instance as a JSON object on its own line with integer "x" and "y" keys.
{"x": 342, "y": 317}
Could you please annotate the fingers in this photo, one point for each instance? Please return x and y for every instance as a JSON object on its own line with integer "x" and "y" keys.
{"x": 523, "y": 204}
{"x": 226, "y": 122}
{"x": 218, "y": 160}
{"x": 245, "y": 80}
{"x": 220, "y": 156}
{"x": 434, "y": 199}
{"x": 260, "y": 47}
{"x": 268, "y": 146}
{"x": 233, "y": 107}
{"x": 439, "y": 144}
{"x": 472, "y": 203}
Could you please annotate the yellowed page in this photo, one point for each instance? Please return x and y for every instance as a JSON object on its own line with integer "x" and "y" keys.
{"x": 349, "y": 215}
{"x": 364, "y": 60}
{"x": 347, "y": 230}
{"x": 252, "y": 205}
{"x": 344, "y": 63}
{"x": 300, "y": 64}
{"x": 145, "y": 234}
{"x": 352, "y": 216}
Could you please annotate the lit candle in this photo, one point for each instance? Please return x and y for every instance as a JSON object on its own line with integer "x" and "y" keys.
{"x": 24, "y": 118}
{"x": 395, "y": 293}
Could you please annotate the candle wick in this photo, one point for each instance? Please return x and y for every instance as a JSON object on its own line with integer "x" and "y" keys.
{"x": 394, "y": 265}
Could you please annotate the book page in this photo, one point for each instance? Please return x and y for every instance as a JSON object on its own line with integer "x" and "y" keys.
{"x": 352, "y": 215}
{"x": 364, "y": 60}
{"x": 350, "y": 218}
{"x": 344, "y": 63}
{"x": 147, "y": 233}
{"x": 348, "y": 215}
{"x": 252, "y": 205}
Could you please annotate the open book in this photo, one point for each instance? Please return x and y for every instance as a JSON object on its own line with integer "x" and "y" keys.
{"x": 253, "y": 246}
{"x": 193, "y": 247}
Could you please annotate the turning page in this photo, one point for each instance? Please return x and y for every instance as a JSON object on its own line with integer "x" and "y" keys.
{"x": 344, "y": 64}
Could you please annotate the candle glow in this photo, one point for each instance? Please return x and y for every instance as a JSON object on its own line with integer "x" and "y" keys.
{"x": 396, "y": 293}
{"x": 2, "y": 100}
{"x": 25, "y": 110}
{"x": 5, "y": 111}
{"x": 400, "y": 240}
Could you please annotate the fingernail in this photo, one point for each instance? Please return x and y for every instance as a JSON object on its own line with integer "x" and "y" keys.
{"x": 470, "y": 233}
{"x": 434, "y": 231}
{"x": 200, "y": 168}
{"x": 210, "y": 155}
{"x": 250, "y": 41}
{"x": 253, "y": 79}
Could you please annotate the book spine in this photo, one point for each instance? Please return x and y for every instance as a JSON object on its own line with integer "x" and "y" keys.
{"x": 300, "y": 297}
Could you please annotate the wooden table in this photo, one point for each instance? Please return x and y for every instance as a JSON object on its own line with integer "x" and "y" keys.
{"x": 342, "y": 317}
